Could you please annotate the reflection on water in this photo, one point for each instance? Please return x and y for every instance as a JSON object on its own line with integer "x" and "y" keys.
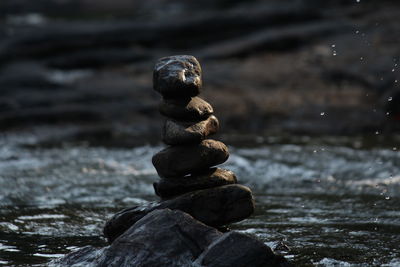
{"x": 324, "y": 205}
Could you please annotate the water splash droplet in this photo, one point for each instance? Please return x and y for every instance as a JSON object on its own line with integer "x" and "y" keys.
{"x": 322, "y": 113}
{"x": 390, "y": 98}
{"x": 394, "y": 148}
{"x": 334, "y": 53}
{"x": 358, "y": 1}
{"x": 333, "y": 45}
{"x": 377, "y": 132}
{"x": 387, "y": 113}
{"x": 393, "y": 70}
{"x": 361, "y": 58}
{"x": 357, "y": 32}
{"x": 387, "y": 198}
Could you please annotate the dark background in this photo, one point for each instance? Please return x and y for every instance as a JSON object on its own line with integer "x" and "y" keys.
{"x": 81, "y": 70}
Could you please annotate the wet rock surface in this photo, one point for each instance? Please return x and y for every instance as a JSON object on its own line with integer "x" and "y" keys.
{"x": 176, "y": 161}
{"x": 189, "y": 109}
{"x": 174, "y": 238}
{"x": 167, "y": 188}
{"x": 239, "y": 250}
{"x": 177, "y": 76}
{"x": 215, "y": 207}
{"x": 179, "y": 133}
{"x": 161, "y": 238}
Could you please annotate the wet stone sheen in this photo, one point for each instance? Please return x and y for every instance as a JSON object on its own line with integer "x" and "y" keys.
{"x": 213, "y": 177}
{"x": 177, "y": 76}
{"x": 186, "y": 109}
{"x": 179, "y": 133}
{"x": 179, "y": 161}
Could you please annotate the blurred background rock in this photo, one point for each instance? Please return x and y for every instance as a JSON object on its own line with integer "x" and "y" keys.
{"x": 81, "y": 70}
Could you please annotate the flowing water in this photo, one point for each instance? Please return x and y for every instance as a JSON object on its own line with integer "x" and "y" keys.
{"x": 317, "y": 204}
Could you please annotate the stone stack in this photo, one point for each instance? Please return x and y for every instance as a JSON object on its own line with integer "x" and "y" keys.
{"x": 189, "y": 182}
{"x": 188, "y": 163}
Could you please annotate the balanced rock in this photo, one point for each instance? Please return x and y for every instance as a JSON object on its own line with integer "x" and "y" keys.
{"x": 180, "y": 133}
{"x": 177, "y": 76}
{"x": 186, "y": 109}
{"x": 213, "y": 177}
{"x": 215, "y": 207}
{"x": 178, "y": 161}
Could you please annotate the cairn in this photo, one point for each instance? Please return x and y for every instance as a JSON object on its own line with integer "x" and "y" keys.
{"x": 189, "y": 182}
{"x": 188, "y": 163}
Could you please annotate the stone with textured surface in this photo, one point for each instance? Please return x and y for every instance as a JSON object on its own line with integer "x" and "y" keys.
{"x": 179, "y": 161}
{"x": 187, "y": 109}
{"x": 161, "y": 238}
{"x": 215, "y": 207}
{"x": 181, "y": 133}
{"x": 167, "y": 188}
{"x": 177, "y": 76}
{"x": 165, "y": 238}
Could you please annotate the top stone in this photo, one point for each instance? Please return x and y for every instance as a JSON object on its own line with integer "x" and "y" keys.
{"x": 177, "y": 76}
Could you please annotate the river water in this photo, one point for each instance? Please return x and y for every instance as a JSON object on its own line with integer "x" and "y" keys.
{"x": 323, "y": 204}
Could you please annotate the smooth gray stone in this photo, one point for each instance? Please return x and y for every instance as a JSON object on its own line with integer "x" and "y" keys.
{"x": 186, "y": 109}
{"x": 182, "y": 133}
{"x": 215, "y": 207}
{"x": 177, "y": 76}
{"x": 239, "y": 250}
{"x": 161, "y": 238}
{"x": 178, "y": 161}
{"x": 167, "y": 188}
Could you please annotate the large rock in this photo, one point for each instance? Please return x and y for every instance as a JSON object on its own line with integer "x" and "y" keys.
{"x": 239, "y": 250}
{"x": 215, "y": 207}
{"x": 161, "y": 238}
{"x": 173, "y": 238}
{"x": 180, "y": 133}
{"x": 179, "y": 161}
{"x": 186, "y": 109}
{"x": 214, "y": 177}
{"x": 177, "y": 76}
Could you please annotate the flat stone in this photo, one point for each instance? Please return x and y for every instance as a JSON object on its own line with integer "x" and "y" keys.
{"x": 214, "y": 177}
{"x": 177, "y": 76}
{"x": 215, "y": 207}
{"x": 186, "y": 109}
{"x": 178, "y": 161}
{"x": 161, "y": 238}
{"x": 239, "y": 250}
{"x": 181, "y": 133}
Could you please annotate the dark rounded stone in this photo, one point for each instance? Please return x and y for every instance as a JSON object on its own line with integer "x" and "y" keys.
{"x": 186, "y": 109}
{"x": 177, "y": 76}
{"x": 239, "y": 250}
{"x": 167, "y": 188}
{"x": 180, "y": 133}
{"x": 215, "y": 207}
{"x": 178, "y": 161}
